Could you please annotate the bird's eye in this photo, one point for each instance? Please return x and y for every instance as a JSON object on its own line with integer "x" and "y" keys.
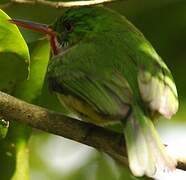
{"x": 68, "y": 27}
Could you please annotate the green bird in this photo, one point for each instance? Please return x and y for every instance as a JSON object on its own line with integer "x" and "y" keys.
{"x": 105, "y": 71}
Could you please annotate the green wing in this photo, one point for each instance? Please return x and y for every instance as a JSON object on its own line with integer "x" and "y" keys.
{"x": 91, "y": 80}
{"x": 92, "y": 97}
{"x": 155, "y": 81}
{"x": 159, "y": 92}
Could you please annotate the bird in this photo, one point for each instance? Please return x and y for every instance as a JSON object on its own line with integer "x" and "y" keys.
{"x": 105, "y": 71}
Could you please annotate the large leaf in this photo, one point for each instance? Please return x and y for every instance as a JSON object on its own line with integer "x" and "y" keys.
{"x": 14, "y": 55}
{"x": 16, "y": 166}
{"x": 30, "y": 89}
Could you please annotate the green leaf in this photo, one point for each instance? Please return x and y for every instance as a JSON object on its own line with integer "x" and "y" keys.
{"x": 31, "y": 89}
{"x": 14, "y": 55}
{"x": 16, "y": 166}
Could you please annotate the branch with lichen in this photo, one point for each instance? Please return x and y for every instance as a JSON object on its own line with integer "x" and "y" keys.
{"x": 55, "y": 4}
{"x": 56, "y": 123}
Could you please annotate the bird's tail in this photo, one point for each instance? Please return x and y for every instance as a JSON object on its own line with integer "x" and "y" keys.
{"x": 146, "y": 153}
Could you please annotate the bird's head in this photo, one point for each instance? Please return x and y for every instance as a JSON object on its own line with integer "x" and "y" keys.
{"x": 68, "y": 29}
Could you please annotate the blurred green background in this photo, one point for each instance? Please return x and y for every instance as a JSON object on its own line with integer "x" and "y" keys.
{"x": 163, "y": 22}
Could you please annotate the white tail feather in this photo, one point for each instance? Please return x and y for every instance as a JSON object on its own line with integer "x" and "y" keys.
{"x": 146, "y": 153}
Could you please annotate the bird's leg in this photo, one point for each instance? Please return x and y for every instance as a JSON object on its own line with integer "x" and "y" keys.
{"x": 4, "y": 124}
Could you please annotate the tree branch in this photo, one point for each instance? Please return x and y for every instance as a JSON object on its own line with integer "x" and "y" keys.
{"x": 55, "y": 4}
{"x": 100, "y": 138}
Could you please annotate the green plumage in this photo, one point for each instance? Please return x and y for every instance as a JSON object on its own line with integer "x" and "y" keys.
{"x": 107, "y": 71}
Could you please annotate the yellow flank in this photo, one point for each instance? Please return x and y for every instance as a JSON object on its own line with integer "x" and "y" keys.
{"x": 85, "y": 111}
